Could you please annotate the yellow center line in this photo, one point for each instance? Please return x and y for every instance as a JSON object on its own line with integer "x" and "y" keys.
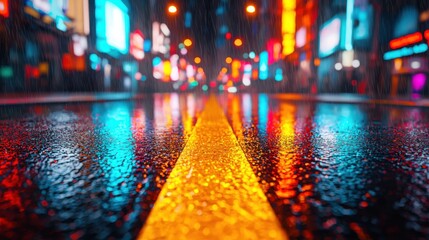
{"x": 212, "y": 192}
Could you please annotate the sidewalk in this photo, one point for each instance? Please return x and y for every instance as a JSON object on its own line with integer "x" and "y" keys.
{"x": 34, "y": 98}
{"x": 354, "y": 98}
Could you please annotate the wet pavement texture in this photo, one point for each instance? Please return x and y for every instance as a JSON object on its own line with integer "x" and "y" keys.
{"x": 338, "y": 171}
{"x": 89, "y": 170}
{"x": 330, "y": 171}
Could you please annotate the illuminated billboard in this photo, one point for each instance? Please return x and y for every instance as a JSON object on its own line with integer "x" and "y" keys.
{"x": 112, "y": 27}
{"x": 160, "y": 38}
{"x": 4, "y": 8}
{"x": 288, "y": 26}
{"x": 56, "y": 9}
{"x": 330, "y": 37}
{"x": 43, "y": 6}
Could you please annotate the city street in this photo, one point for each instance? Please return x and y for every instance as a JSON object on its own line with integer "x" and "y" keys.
{"x": 226, "y": 166}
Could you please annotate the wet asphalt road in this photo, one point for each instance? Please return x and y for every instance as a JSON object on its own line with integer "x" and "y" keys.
{"x": 329, "y": 170}
{"x": 338, "y": 171}
{"x": 88, "y": 170}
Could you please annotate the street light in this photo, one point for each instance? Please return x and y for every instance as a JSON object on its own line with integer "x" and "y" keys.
{"x": 172, "y": 9}
{"x": 250, "y": 8}
{"x": 187, "y": 42}
{"x": 238, "y": 42}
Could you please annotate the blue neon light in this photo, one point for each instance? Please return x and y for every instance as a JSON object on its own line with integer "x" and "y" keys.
{"x": 263, "y": 65}
{"x": 112, "y": 27}
{"x": 156, "y": 61}
{"x": 406, "y": 51}
{"x": 279, "y": 75}
{"x": 349, "y": 25}
{"x": 188, "y": 19}
{"x": 147, "y": 45}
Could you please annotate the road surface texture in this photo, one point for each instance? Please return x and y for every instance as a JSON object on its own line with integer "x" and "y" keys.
{"x": 183, "y": 166}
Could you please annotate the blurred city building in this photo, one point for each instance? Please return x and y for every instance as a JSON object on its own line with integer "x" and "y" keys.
{"x": 345, "y": 45}
{"x": 369, "y": 47}
{"x": 404, "y": 48}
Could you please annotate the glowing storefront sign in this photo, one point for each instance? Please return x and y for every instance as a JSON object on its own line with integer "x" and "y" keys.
{"x": 349, "y": 25}
{"x": 288, "y": 26}
{"x": 112, "y": 27}
{"x": 330, "y": 37}
{"x": 160, "y": 39}
{"x": 55, "y": 9}
{"x": 136, "y": 45}
{"x": 235, "y": 69}
{"x": 301, "y": 37}
{"x": 4, "y": 8}
{"x": 274, "y": 49}
{"x": 406, "y": 51}
{"x": 406, "y": 40}
{"x": 40, "y": 5}
{"x": 263, "y": 65}
{"x": 158, "y": 68}
{"x": 80, "y": 45}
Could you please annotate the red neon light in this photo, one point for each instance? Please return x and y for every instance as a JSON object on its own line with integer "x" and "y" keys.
{"x": 427, "y": 35}
{"x": 4, "y": 8}
{"x": 406, "y": 40}
{"x": 136, "y": 46}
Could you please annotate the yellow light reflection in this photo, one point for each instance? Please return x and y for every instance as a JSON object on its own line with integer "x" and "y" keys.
{"x": 212, "y": 191}
{"x": 287, "y": 184}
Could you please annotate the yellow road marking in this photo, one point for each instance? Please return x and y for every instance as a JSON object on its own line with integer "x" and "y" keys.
{"x": 212, "y": 192}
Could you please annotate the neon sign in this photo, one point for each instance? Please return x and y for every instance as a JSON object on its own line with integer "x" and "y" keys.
{"x": 288, "y": 26}
{"x": 406, "y": 51}
{"x": 349, "y": 25}
{"x": 160, "y": 39}
{"x": 406, "y": 40}
{"x": 40, "y": 5}
{"x": 235, "y": 69}
{"x": 330, "y": 37}
{"x": 136, "y": 46}
{"x": 263, "y": 65}
{"x": 53, "y": 8}
{"x": 4, "y": 8}
{"x": 112, "y": 32}
{"x": 301, "y": 37}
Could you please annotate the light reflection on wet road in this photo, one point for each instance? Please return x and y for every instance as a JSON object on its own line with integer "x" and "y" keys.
{"x": 88, "y": 170}
{"x": 329, "y": 170}
{"x": 338, "y": 170}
